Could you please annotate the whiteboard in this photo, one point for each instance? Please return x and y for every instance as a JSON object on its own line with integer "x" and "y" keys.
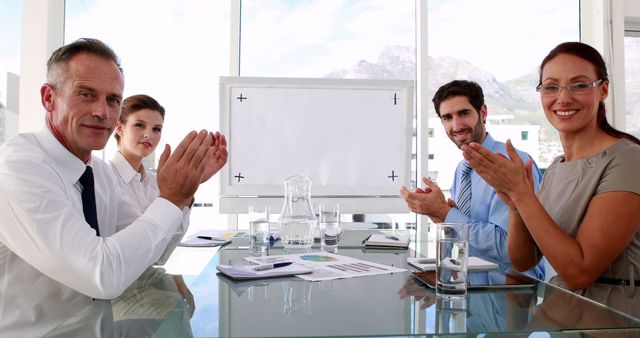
{"x": 352, "y": 137}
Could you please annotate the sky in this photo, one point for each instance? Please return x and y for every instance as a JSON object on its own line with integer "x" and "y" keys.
{"x": 177, "y": 53}
{"x": 501, "y": 36}
{"x": 10, "y": 20}
{"x": 321, "y": 36}
{"x": 313, "y": 38}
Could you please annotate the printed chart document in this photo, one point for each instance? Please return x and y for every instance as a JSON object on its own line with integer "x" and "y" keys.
{"x": 328, "y": 266}
{"x": 473, "y": 264}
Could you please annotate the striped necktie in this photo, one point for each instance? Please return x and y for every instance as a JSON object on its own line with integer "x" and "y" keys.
{"x": 464, "y": 198}
{"x": 89, "y": 199}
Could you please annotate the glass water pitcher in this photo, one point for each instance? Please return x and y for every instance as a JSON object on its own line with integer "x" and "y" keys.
{"x": 297, "y": 219}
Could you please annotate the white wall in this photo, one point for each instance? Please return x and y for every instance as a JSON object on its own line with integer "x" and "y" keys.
{"x": 632, "y": 8}
{"x": 42, "y": 33}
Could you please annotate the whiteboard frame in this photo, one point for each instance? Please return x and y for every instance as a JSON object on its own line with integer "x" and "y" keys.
{"x": 361, "y": 199}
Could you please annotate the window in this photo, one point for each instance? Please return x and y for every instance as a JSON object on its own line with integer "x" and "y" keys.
{"x": 179, "y": 63}
{"x": 172, "y": 51}
{"x": 336, "y": 39}
{"x": 467, "y": 40}
{"x": 9, "y": 67}
{"x": 328, "y": 38}
{"x": 632, "y": 81}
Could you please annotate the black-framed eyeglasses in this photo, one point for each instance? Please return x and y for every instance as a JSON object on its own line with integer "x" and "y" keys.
{"x": 573, "y": 88}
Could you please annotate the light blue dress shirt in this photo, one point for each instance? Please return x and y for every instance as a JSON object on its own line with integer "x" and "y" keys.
{"x": 489, "y": 218}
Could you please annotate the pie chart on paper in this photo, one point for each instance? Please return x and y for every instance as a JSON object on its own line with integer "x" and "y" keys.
{"x": 317, "y": 258}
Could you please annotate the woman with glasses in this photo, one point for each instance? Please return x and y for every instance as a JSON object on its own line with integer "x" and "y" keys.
{"x": 586, "y": 215}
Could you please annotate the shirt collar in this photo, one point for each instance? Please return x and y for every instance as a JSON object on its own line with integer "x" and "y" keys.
{"x": 124, "y": 169}
{"x": 70, "y": 166}
{"x": 488, "y": 142}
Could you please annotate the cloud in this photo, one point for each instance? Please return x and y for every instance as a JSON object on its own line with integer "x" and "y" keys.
{"x": 314, "y": 38}
{"x": 173, "y": 52}
{"x": 505, "y": 37}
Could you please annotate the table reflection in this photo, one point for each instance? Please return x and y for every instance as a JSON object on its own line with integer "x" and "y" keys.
{"x": 292, "y": 307}
{"x": 498, "y": 310}
{"x": 544, "y": 308}
{"x": 161, "y": 305}
{"x": 621, "y": 298}
{"x": 157, "y": 304}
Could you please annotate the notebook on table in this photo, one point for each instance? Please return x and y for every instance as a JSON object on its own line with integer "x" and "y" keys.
{"x": 387, "y": 241}
{"x": 250, "y": 271}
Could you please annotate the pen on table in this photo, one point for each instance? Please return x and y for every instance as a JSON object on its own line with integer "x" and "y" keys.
{"x": 215, "y": 239}
{"x": 393, "y": 238}
{"x": 271, "y": 266}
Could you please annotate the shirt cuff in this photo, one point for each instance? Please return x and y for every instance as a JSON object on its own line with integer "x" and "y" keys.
{"x": 455, "y": 216}
{"x": 165, "y": 214}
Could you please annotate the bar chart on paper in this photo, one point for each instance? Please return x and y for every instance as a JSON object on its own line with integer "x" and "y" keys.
{"x": 328, "y": 266}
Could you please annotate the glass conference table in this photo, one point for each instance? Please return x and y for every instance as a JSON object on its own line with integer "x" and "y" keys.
{"x": 382, "y": 305}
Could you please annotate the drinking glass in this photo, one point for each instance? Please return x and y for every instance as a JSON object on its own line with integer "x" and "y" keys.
{"x": 452, "y": 248}
{"x": 259, "y": 225}
{"x": 329, "y": 223}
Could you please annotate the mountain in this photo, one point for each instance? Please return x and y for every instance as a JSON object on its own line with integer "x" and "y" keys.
{"x": 394, "y": 62}
{"x": 515, "y": 97}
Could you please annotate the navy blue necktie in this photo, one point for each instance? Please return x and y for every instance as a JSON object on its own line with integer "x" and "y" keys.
{"x": 89, "y": 199}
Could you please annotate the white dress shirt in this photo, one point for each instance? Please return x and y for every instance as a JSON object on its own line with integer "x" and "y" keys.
{"x": 141, "y": 189}
{"x": 51, "y": 262}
